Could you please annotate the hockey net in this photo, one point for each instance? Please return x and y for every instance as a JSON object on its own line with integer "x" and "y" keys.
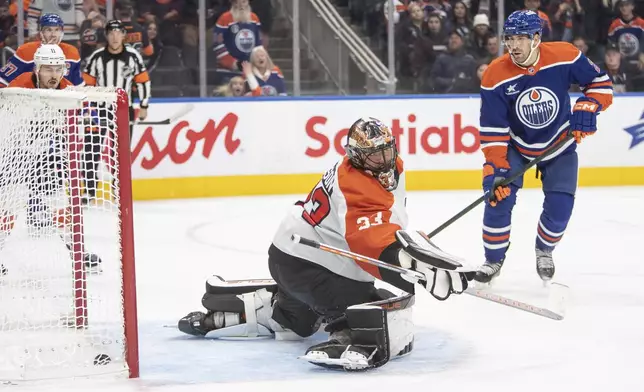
{"x": 67, "y": 287}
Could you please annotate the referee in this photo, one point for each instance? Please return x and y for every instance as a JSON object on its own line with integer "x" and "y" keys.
{"x": 115, "y": 65}
{"x": 118, "y": 65}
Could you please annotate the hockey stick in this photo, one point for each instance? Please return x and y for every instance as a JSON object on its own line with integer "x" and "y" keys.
{"x": 185, "y": 110}
{"x": 544, "y": 312}
{"x": 507, "y": 181}
{"x": 358, "y": 257}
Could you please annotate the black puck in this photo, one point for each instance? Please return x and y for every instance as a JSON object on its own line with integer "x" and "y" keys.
{"x": 102, "y": 359}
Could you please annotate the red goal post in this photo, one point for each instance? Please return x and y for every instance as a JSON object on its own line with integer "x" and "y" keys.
{"x": 68, "y": 291}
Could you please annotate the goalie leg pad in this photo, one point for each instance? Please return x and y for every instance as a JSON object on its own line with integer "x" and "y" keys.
{"x": 236, "y": 309}
{"x": 367, "y": 336}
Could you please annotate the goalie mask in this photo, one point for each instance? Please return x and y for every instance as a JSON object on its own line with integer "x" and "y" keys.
{"x": 371, "y": 147}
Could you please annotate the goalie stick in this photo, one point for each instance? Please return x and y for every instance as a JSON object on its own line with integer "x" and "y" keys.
{"x": 478, "y": 293}
{"x": 182, "y": 112}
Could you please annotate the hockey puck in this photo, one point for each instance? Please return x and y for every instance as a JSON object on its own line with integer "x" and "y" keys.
{"x": 92, "y": 260}
{"x": 102, "y": 359}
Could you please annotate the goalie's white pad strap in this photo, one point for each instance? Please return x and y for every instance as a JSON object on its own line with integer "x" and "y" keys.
{"x": 251, "y": 317}
{"x": 258, "y": 312}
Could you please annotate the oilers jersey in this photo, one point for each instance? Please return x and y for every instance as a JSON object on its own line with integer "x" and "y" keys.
{"x": 628, "y": 36}
{"x": 235, "y": 40}
{"x": 23, "y": 61}
{"x": 269, "y": 85}
{"x": 529, "y": 108}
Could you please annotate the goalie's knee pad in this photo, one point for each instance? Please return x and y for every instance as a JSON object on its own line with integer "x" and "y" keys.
{"x": 241, "y": 308}
{"x": 367, "y": 336}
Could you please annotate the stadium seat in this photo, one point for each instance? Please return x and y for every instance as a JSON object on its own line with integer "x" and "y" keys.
{"x": 170, "y": 57}
{"x": 171, "y": 76}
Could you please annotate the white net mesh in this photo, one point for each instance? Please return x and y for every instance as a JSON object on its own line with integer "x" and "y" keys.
{"x": 61, "y": 256}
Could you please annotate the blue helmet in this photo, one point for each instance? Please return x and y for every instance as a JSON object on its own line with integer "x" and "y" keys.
{"x": 48, "y": 20}
{"x": 523, "y": 23}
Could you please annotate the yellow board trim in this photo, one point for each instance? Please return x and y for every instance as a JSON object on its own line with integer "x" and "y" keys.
{"x": 281, "y": 184}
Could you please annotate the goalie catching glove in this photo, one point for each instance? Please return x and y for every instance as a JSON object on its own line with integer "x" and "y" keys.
{"x": 419, "y": 254}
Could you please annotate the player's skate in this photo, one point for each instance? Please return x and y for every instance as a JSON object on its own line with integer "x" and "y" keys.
{"x": 236, "y": 309}
{"x": 367, "y": 336}
{"x": 488, "y": 271}
{"x": 3, "y": 270}
{"x": 545, "y": 264}
{"x": 88, "y": 198}
{"x": 92, "y": 260}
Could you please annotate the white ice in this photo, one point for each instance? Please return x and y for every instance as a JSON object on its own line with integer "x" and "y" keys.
{"x": 463, "y": 343}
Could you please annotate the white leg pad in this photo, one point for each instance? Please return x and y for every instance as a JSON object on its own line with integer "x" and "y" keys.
{"x": 401, "y": 332}
{"x": 259, "y": 324}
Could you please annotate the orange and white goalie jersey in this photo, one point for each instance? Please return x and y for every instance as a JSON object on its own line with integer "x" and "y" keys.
{"x": 348, "y": 209}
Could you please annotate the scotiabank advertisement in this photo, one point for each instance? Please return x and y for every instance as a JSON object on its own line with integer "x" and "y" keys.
{"x": 224, "y": 138}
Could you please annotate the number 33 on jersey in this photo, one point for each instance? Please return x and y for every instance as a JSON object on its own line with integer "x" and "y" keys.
{"x": 348, "y": 209}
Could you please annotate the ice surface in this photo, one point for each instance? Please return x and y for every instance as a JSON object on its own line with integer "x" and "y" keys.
{"x": 461, "y": 344}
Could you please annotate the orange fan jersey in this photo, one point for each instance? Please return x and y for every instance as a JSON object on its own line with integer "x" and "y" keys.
{"x": 28, "y": 80}
{"x": 348, "y": 209}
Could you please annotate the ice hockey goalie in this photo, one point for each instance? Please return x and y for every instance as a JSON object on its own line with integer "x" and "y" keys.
{"x": 358, "y": 205}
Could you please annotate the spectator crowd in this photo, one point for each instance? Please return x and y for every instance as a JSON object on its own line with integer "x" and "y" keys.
{"x": 441, "y": 46}
{"x": 444, "y": 46}
{"x": 165, "y": 32}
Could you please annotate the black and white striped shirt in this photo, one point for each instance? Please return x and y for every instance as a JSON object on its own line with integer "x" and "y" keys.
{"x": 120, "y": 70}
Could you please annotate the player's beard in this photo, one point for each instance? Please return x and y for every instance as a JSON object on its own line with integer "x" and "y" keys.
{"x": 52, "y": 83}
{"x": 518, "y": 57}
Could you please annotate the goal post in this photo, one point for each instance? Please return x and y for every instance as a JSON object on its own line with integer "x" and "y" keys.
{"x": 67, "y": 274}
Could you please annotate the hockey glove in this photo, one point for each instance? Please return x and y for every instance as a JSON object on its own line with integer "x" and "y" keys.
{"x": 439, "y": 268}
{"x": 583, "y": 121}
{"x": 492, "y": 178}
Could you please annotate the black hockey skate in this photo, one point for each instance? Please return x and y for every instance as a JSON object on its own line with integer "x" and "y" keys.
{"x": 88, "y": 198}
{"x": 545, "y": 264}
{"x": 3, "y": 270}
{"x": 199, "y": 323}
{"x": 366, "y": 337}
{"x": 488, "y": 271}
{"x": 92, "y": 260}
{"x": 339, "y": 353}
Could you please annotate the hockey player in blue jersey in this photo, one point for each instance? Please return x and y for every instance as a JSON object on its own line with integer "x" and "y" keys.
{"x": 51, "y": 32}
{"x": 525, "y": 108}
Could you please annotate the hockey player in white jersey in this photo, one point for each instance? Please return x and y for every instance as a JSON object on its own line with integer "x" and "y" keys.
{"x": 358, "y": 205}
